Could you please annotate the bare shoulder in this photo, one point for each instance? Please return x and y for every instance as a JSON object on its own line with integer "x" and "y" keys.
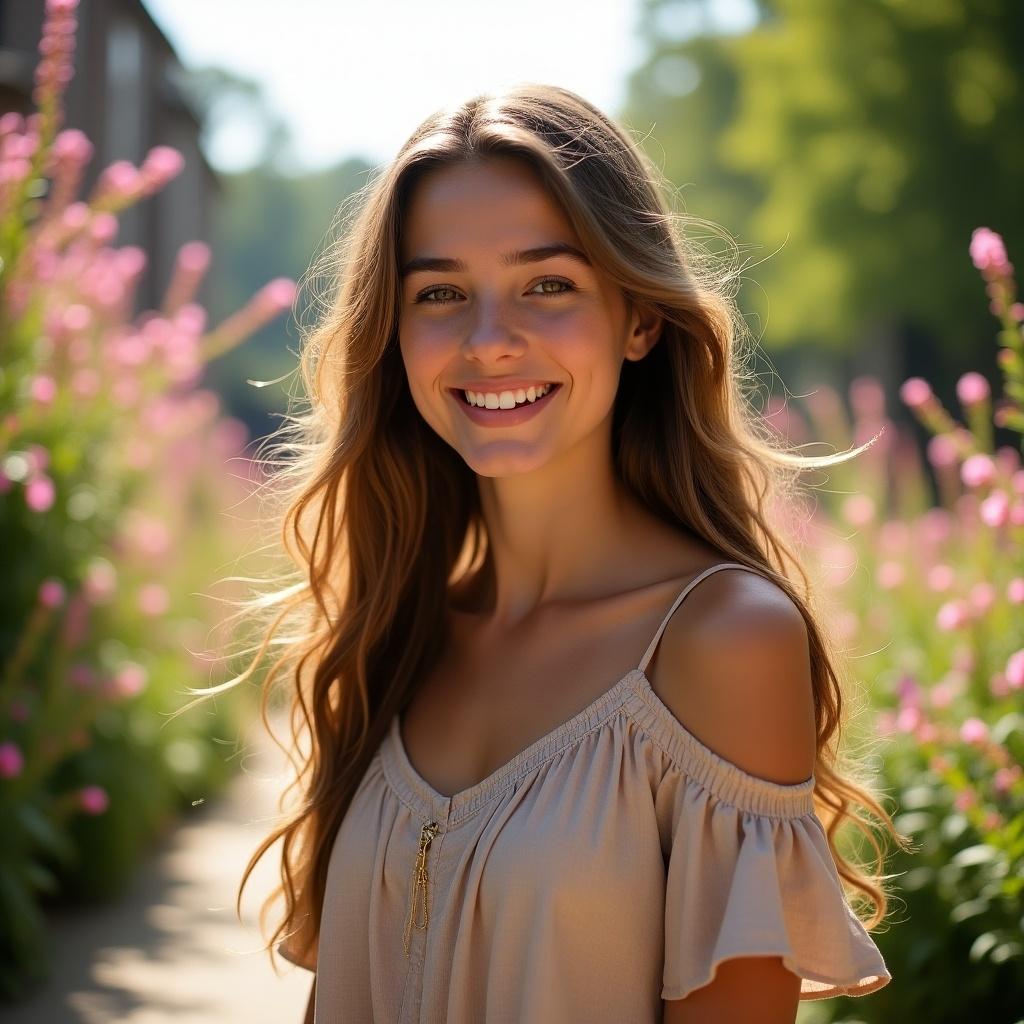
{"x": 733, "y": 666}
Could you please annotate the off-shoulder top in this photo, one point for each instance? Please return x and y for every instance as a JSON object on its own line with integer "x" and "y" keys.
{"x": 613, "y": 863}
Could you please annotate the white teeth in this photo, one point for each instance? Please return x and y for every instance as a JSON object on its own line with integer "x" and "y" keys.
{"x": 506, "y": 399}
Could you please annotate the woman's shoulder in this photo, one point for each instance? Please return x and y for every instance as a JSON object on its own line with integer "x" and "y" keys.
{"x": 734, "y": 668}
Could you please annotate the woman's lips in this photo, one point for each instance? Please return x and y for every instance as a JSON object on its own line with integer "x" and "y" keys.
{"x": 504, "y": 417}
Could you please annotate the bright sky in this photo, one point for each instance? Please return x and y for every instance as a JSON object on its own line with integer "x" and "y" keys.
{"x": 356, "y": 77}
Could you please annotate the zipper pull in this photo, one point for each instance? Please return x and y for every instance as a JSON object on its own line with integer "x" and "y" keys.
{"x": 427, "y": 833}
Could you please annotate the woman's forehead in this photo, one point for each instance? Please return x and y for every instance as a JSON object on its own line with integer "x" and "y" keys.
{"x": 479, "y": 205}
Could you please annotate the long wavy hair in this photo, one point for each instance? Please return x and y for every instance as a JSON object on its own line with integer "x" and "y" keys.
{"x": 378, "y": 518}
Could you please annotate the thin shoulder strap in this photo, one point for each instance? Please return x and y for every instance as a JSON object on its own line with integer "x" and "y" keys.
{"x": 679, "y": 600}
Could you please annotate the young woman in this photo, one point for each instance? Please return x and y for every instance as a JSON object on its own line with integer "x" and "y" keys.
{"x": 536, "y": 785}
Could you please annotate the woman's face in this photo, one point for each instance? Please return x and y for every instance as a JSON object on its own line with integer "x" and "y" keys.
{"x": 476, "y": 316}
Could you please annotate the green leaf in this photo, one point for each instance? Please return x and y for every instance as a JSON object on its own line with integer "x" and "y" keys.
{"x": 916, "y": 797}
{"x": 982, "y": 853}
{"x": 1007, "y": 951}
{"x": 982, "y": 944}
{"x": 40, "y": 878}
{"x": 1009, "y": 723}
{"x": 45, "y": 835}
{"x": 968, "y": 909}
{"x": 914, "y": 822}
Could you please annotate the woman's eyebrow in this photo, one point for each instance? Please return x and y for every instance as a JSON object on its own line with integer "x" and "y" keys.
{"x": 443, "y": 264}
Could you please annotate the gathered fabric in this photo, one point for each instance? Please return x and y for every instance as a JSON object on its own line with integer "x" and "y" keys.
{"x": 613, "y": 863}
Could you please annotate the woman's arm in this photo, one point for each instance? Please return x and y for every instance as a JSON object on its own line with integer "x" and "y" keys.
{"x": 750, "y": 988}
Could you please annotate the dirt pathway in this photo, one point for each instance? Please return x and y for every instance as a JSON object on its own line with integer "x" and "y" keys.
{"x": 173, "y": 948}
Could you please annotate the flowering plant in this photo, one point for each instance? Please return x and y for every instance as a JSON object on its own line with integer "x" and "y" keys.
{"x": 112, "y": 463}
{"x": 936, "y": 607}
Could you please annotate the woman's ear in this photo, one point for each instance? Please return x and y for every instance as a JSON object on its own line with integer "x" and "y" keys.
{"x": 645, "y": 326}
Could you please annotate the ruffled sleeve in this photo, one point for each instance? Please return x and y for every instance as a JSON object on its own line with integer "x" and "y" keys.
{"x": 750, "y": 873}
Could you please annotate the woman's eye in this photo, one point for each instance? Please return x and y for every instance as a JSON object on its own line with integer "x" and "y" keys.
{"x": 555, "y": 280}
{"x": 422, "y": 297}
{"x": 562, "y": 288}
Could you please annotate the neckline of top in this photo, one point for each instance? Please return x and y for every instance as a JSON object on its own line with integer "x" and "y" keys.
{"x": 679, "y": 742}
{"x": 446, "y": 809}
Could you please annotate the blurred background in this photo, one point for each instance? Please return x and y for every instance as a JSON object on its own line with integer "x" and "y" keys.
{"x": 159, "y": 202}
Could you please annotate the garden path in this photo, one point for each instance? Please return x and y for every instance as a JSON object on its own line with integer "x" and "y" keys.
{"x": 173, "y": 948}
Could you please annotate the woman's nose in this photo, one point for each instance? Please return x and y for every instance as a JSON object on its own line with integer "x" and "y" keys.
{"x": 491, "y": 332}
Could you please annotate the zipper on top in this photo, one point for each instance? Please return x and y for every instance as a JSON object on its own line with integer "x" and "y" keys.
{"x": 427, "y": 833}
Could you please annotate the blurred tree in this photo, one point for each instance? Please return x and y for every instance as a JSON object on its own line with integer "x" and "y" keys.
{"x": 269, "y": 225}
{"x": 857, "y": 146}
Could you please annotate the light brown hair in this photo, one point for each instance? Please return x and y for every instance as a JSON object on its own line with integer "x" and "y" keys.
{"x": 380, "y": 517}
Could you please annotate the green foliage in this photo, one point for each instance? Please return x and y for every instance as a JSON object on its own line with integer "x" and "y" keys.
{"x": 856, "y": 146}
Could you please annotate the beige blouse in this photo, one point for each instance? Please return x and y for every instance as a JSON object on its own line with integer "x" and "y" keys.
{"x": 613, "y": 863}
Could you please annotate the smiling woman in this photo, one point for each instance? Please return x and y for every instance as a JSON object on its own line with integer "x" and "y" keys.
{"x": 534, "y": 788}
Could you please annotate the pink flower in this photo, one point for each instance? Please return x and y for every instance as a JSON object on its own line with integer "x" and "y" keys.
{"x": 103, "y": 228}
{"x": 908, "y": 719}
{"x": 926, "y": 733}
{"x": 885, "y": 723}
{"x": 86, "y": 382}
{"x": 51, "y": 593}
{"x": 972, "y": 388}
{"x": 994, "y": 511}
{"x": 38, "y": 458}
{"x": 72, "y": 146}
{"x": 153, "y": 599}
{"x": 890, "y": 575}
{"x": 987, "y": 250}
{"x": 941, "y": 451}
{"x": 909, "y": 692}
{"x": 43, "y": 389}
{"x": 846, "y": 625}
{"x": 130, "y": 680}
{"x": 893, "y": 536}
{"x": 100, "y": 581}
{"x": 160, "y": 165}
{"x": 11, "y": 761}
{"x": 275, "y": 296}
{"x": 1004, "y": 778}
{"x": 77, "y": 317}
{"x": 973, "y": 730}
{"x": 1015, "y": 590}
{"x": 119, "y": 178}
{"x": 915, "y": 392}
{"x": 965, "y": 799}
{"x": 194, "y": 257}
{"x": 999, "y": 685}
{"x": 867, "y": 397}
{"x": 978, "y": 471}
{"x": 150, "y": 536}
{"x": 936, "y": 525}
{"x": 75, "y": 216}
{"x": 953, "y": 615}
{"x": 40, "y": 493}
{"x": 1009, "y": 463}
{"x": 61, "y": 6}
{"x": 1015, "y": 670}
{"x": 1017, "y": 311}
{"x": 942, "y": 694}
{"x": 859, "y": 510}
{"x": 992, "y": 820}
{"x": 93, "y": 799}
{"x": 940, "y": 578}
{"x": 982, "y": 596}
